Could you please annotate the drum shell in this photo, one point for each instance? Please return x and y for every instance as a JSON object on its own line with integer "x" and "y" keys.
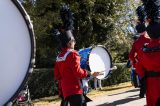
{"x": 86, "y": 63}
{"x": 84, "y": 54}
{"x": 31, "y": 60}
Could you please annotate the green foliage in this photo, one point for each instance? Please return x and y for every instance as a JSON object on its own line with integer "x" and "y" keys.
{"x": 41, "y": 83}
{"x": 96, "y": 22}
{"x": 122, "y": 74}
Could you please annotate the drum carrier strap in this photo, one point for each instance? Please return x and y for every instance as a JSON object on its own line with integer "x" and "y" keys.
{"x": 59, "y": 59}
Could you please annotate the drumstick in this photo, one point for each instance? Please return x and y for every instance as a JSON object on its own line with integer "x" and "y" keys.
{"x": 113, "y": 68}
{"x": 101, "y": 73}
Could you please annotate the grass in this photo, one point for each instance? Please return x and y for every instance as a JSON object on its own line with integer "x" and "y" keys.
{"x": 110, "y": 89}
{"x": 55, "y": 100}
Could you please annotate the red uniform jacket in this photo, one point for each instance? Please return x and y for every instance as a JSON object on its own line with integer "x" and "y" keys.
{"x": 137, "y": 45}
{"x": 150, "y": 61}
{"x": 69, "y": 73}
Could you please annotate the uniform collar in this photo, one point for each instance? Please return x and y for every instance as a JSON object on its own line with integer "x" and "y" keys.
{"x": 66, "y": 49}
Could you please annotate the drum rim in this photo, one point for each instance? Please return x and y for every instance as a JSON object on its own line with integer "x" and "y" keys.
{"x": 111, "y": 65}
{"x": 33, "y": 48}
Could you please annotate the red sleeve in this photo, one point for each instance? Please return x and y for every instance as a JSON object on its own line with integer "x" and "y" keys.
{"x": 139, "y": 69}
{"x": 56, "y": 72}
{"x": 58, "y": 77}
{"x": 139, "y": 66}
{"x": 132, "y": 54}
{"x": 75, "y": 66}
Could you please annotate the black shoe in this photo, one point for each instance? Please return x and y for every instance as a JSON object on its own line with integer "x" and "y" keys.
{"x": 141, "y": 95}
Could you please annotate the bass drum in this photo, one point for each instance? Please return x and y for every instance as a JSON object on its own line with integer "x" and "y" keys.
{"x": 96, "y": 59}
{"x": 17, "y": 45}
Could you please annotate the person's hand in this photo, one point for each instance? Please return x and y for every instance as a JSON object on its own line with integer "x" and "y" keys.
{"x": 97, "y": 73}
{"x": 94, "y": 74}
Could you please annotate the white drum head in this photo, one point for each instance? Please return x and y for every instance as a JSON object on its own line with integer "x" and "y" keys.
{"x": 16, "y": 49}
{"x": 100, "y": 60}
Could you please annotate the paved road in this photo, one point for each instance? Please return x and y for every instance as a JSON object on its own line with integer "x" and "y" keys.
{"x": 124, "y": 98}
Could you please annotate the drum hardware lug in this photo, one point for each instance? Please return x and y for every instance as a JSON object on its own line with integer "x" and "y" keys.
{"x": 28, "y": 19}
{"x": 30, "y": 26}
{"x": 34, "y": 66}
{"x": 30, "y": 70}
{"x": 113, "y": 68}
{"x": 10, "y": 104}
{"x": 33, "y": 61}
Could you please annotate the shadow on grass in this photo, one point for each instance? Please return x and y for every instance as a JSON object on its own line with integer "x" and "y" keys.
{"x": 56, "y": 98}
{"x": 122, "y": 101}
{"x": 47, "y": 99}
{"x": 133, "y": 90}
{"x": 119, "y": 102}
{"x": 116, "y": 88}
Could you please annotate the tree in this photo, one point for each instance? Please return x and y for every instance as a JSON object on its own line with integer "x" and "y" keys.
{"x": 96, "y": 22}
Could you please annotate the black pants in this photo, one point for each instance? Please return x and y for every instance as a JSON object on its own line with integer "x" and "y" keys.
{"x": 63, "y": 102}
{"x": 158, "y": 102}
{"x": 142, "y": 88}
{"x": 76, "y": 100}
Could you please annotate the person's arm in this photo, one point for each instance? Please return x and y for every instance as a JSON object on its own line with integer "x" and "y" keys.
{"x": 141, "y": 72}
{"x": 56, "y": 72}
{"x": 75, "y": 66}
{"x": 139, "y": 66}
{"x": 132, "y": 54}
{"x": 57, "y": 76}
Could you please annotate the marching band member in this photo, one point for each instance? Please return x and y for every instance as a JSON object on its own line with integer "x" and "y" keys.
{"x": 68, "y": 72}
{"x": 139, "y": 43}
{"x": 148, "y": 66}
{"x": 133, "y": 55}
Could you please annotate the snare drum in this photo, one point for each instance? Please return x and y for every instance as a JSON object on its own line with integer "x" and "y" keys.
{"x": 17, "y": 45}
{"x": 96, "y": 59}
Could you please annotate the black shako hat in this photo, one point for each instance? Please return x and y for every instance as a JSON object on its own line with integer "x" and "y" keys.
{"x": 153, "y": 30}
{"x": 141, "y": 13}
{"x": 140, "y": 28}
{"x": 65, "y": 37}
{"x": 152, "y": 8}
